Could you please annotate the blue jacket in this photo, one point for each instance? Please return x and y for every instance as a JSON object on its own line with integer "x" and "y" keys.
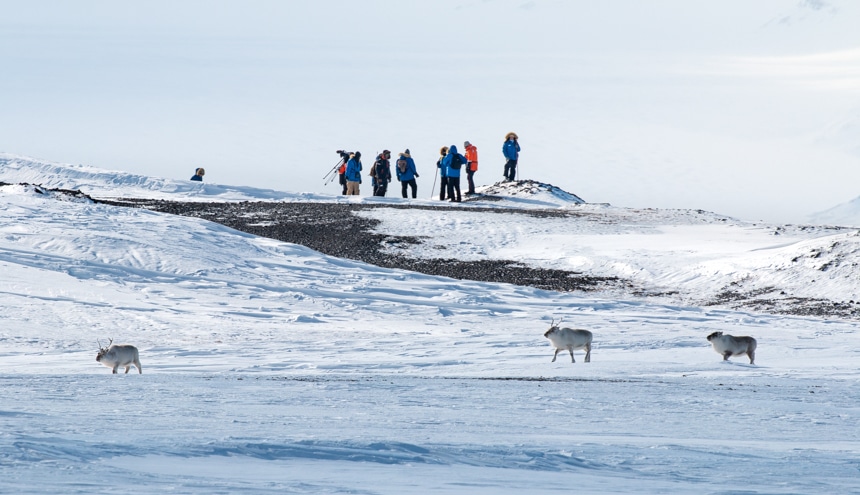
{"x": 353, "y": 170}
{"x": 446, "y": 162}
{"x": 442, "y": 169}
{"x": 511, "y": 149}
{"x": 410, "y": 172}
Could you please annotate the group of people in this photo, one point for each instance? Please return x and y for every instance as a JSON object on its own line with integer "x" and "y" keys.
{"x": 450, "y": 165}
{"x": 380, "y": 173}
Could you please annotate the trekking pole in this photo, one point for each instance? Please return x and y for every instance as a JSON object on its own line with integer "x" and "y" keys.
{"x": 434, "y": 185}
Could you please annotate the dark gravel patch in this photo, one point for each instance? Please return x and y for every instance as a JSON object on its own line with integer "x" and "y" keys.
{"x": 770, "y": 300}
{"x": 334, "y": 229}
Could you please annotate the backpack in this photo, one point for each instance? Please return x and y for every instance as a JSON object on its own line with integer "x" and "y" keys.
{"x": 402, "y": 164}
{"x": 456, "y": 161}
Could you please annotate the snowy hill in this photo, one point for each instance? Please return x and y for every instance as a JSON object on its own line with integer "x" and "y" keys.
{"x": 691, "y": 257}
{"x": 109, "y": 183}
{"x": 269, "y": 367}
{"x": 847, "y": 214}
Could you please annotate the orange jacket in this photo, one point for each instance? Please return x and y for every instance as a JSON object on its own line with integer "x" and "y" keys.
{"x": 472, "y": 157}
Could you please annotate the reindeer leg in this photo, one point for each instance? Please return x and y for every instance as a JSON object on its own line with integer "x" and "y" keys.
{"x": 751, "y": 354}
{"x": 555, "y": 355}
{"x": 726, "y": 355}
{"x": 571, "y": 355}
{"x": 127, "y": 367}
{"x": 588, "y": 353}
{"x": 139, "y": 369}
{"x": 114, "y": 369}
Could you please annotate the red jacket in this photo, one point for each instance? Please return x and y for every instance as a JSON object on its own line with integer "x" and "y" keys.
{"x": 472, "y": 157}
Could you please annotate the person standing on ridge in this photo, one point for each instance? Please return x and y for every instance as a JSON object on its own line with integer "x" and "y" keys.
{"x": 198, "y": 174}
{"x": 341, "y": 172}
{"x": 511, "y": 150}
{"x": 453, "y": 162}
{"x": 471, "y": 165}
{"x": 381, "y": 173}
{"x": 406, "y": 173}
{"x": 353, "y": 174}
{"x": 443, "y": 187}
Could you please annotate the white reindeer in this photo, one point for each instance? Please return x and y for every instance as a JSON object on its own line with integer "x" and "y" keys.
{"x": 728, "y": 345}
{"x": 114, "y": 356}
{"x": 570, "y": 339}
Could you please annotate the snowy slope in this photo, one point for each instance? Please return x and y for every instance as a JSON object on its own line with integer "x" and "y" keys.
{"x": 108, "y": 183}
{"x": 691, "y": 257}
{"x": 843, "y": 214}
{"x": 270, "y": 368}
{"x": 697, "y": 257}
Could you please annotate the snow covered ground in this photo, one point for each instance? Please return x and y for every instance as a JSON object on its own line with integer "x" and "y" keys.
{"x": 271, "y": 368}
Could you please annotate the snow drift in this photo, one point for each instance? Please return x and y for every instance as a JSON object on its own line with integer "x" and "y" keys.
{"x": 272, "y": 367}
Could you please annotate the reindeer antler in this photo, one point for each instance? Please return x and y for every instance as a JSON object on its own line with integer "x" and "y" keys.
{"x": 104, "y": 349}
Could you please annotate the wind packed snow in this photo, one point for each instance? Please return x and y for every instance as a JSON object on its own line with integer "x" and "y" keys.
{"x": 271, "y": 368}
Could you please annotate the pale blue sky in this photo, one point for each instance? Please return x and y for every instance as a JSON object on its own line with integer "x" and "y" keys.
{"x": 733, "y": 106}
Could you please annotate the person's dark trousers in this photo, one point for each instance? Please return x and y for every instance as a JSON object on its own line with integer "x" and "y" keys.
{"x": 380, "y": 189}
{"x": 443, "y": 188}
{"x": 511, "y": 169}
{"x": 412, "y": 184}
{"x": 469, "y": 175}
{"x": 454, "y": 185}
{"x": 342, "y": 179}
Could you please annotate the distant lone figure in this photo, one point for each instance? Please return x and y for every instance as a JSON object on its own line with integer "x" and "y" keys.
{"x": 511, "y": 150}
{"x": 728, "y": 345}
{"x": 198, "y": 174}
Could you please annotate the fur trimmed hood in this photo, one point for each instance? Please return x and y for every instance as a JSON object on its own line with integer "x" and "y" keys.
{"x": 511, "y": 135}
